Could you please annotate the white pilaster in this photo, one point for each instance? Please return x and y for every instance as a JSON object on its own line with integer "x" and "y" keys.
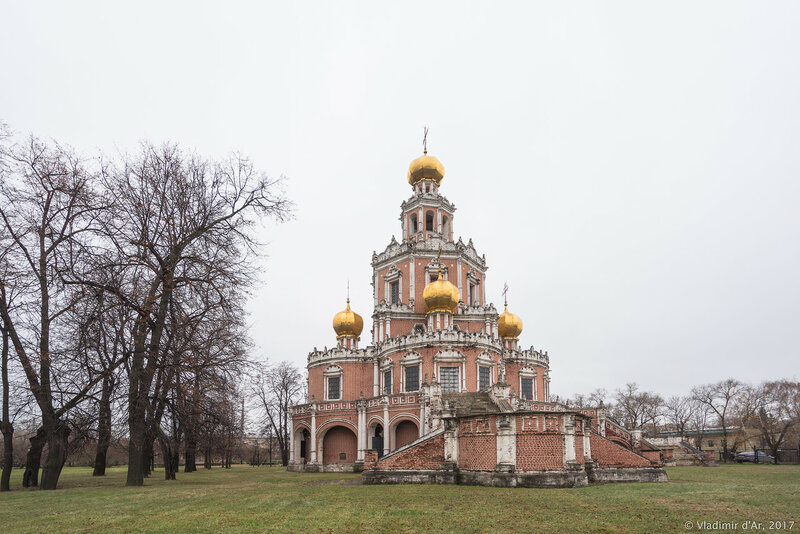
{"x": 313, "y": 434}
{"x": 411, "y": 270}
{"x": 386, "y": 433}
{"x": 362, "y": 430}
{"x": 291, "y": 439}
{"x": 458, "y": 271}
{"x": 375, "y": 378}
{"x": 569, "y": 438}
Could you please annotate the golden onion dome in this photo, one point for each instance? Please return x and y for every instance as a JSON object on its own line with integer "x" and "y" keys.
{"x": 440, "y": 296}
{"x": 425, "y": 167}
{"x": 509, "y": 326}
{"x": 347, "y": 323}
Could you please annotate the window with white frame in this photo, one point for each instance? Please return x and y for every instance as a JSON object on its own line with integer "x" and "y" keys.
{"x": 387, "y": 382}
{"x": 333, "y": 382}
{"x": 527, "y": 383}
{"x": 411, "y": 378}
{"x": 334, "y": 390}
{"x": 394, "y": 290}
{"x": 526, "y": 388}
{"x": 485, "y": 371}
{"x": 449, "y": 379}
{"x": 484, "y": 377}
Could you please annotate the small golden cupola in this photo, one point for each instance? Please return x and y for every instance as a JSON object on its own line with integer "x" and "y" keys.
{"x": 425, "y": 167}
{"x": 509, "y": 326}
{"x": 440, "y": 296}
{"x": 441, "y": 301}
{"x": 348, "y": 326}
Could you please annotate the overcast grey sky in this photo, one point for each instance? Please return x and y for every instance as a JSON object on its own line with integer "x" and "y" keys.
{"x": 630, "y": 169}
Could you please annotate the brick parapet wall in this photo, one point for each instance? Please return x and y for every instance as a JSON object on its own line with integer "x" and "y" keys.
{"x": 609, "y": 454}
{"x": 426, "y": 454}
{"x": 477, "y": 452}
{"x": 537, "y": 452}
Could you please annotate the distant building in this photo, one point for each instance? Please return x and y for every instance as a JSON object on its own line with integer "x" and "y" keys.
{"x": 444, "y": 393}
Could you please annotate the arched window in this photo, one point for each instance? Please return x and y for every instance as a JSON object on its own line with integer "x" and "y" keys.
{"x": 414, "y": 228}
{"x": 429, "y": 221}
{"x": 445, "y": 227}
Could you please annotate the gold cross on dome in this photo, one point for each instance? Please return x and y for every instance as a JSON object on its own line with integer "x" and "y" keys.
{"x": 505, "y": 293}
{"x": 425, "y": 141}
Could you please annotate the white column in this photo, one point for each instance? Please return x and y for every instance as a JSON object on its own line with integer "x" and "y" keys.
{"x": 291, "y": 439}
{"x": 458, "y": 271}
{"x": 451, "y": 441}
{"x": 362, "y": 431}
{"x": 388, "y": 328}
{"x": 375, "y": 288}
{"x": 386, "y": 433}
{"x": 375, "y": 378}
{"x": 313, "y": 434}
{"x": 411, "y": 270}
{"x": 569, "y": 438}
{"x": 506, "y": 443}
{"x": 587, "y": 442}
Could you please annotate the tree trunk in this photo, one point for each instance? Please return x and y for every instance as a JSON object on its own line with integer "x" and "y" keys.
{"x": 167, "y": 454}
{"x": 207, "y": 459}
{"x": 148, "y": 462}
{"x": 190, "y": 456}
{"x": 34, "y": 459}
{"x": 56, "y": 455}
{"x": 5, "y": 425}
{"x": 136, "y": 449}
{"x": 174, "y": 460}
{"x": 8, "y": 456}
{"x": 103, "y": 429}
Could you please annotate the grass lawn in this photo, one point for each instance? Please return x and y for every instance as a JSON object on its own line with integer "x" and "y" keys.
{"x": 260, "y": 499}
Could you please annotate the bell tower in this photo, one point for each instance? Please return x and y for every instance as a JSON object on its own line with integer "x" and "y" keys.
{"x": 427, "y": 214}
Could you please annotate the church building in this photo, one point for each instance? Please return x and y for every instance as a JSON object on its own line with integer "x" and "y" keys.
{"x": 444, "y": 392}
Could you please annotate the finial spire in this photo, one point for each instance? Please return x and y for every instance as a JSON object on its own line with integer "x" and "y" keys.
{"x": 439, "y": 254}
{"x": 505, "y": 295}
{"x": 425, "y": 141}
{"x": 348, "y": 291}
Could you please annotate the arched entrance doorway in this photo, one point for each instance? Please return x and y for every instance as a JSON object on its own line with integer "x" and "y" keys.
{"x": 404, "y": 433}
{"x": 339, "y": 446}
{"x": 376, "y": 438}
{"x": 302, "y": 445}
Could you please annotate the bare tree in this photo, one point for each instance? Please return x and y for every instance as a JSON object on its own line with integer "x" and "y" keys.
{"x": 46, "y": 209}
{"x": 774, "y": 414}
{"x": 678, "y": 413}
{"x": 720, "y": 398}
{"x": 177, "y": 221}
{"x": 5, "y": 425}
{"x": 635, "y": 409}
{"x": 277, "y": 389}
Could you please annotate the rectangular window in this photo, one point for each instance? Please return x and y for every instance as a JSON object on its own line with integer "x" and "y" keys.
{"x": 333, "y": 388}
{"x": 527, "y": 388}
{"x": 412, "y": 378}
{"x": 448, "y": 378}
{"x": 395, "y": 292}
{"x": 387, "y": 383}
{"x": 472, "y": 295}
{"x": 484, "y": 377}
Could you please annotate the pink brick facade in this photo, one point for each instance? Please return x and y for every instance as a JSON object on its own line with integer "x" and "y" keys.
{"x": 453, "y": 372}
